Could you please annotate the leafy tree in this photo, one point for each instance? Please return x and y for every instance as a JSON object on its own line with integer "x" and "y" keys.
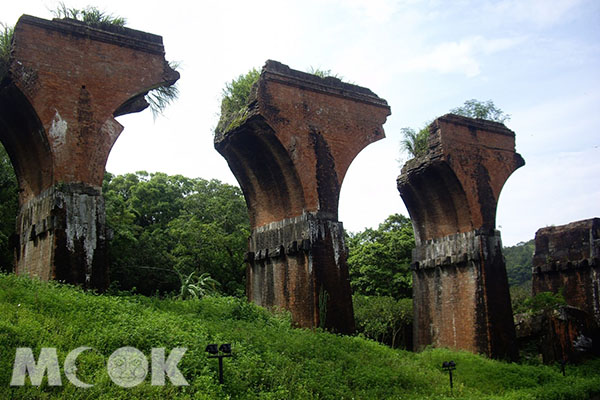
{"x": 379, "y": 259}
{"x": 9, "y": 206}
{"x": 211, "y": 232}
{"x": 168, "y": 227}
{"x": 482, "y": 110}
{"x": 384, "y": 319}
{"x": 543, "y": 301}
{"x": 6, "y": 35}
{"x": 234, "y": 101}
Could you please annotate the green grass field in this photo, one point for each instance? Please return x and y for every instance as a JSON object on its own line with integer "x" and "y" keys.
{"x": 272, "y": 360}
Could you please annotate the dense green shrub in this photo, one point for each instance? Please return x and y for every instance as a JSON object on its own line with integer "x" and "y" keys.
{"x": 543, "y": 301}
{"x": 384, "y": 319}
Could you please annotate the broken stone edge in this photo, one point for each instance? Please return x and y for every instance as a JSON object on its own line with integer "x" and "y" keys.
{"x": 121, "y": 36}
{"x": 434, "y": 153}
{"x": 275, "y": 71}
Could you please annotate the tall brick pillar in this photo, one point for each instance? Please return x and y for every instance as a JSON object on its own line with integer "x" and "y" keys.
{"x": 567, "y": 258}
{"x": 460, "y": 288}
{"x": 290, "y": 152}
{"x": 66, "y": 83}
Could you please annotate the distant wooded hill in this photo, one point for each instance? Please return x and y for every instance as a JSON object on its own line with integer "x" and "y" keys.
{"x": 519, "y": 262}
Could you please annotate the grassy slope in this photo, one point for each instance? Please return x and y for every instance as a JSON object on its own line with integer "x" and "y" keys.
{"x": 272, "y": 360}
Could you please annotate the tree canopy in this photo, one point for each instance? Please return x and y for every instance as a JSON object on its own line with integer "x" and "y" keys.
{"x": 166, "y": 227}
{"x": 519, "y": 261}
{"x": 481, "y": 109}
{"x": 379, "y": 259}
{"x": 415, "y": 142}
{"x": 6, "y": 35}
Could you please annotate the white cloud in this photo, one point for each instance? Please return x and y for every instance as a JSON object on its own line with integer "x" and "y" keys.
{"x": 551, "y": 190}
{"x": 541, "y": 13}
{"x": 557, "y": 123}
{"x": 461, "y": 57}
{"x": 379, "y": 11}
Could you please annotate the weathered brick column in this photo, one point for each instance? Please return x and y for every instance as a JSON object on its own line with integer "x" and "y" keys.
{"x": 290, "y": 151}
{"x": 460, "y": 288}
{"x": 567, "y": 258}
{"x": 66, "y": 83}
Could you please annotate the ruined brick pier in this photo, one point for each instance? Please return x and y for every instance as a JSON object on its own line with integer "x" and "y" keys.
{"x": 460, "y": 288}
{"x": 66, "y": 83}
{"x": 567, "y": 259}
{"x": 290, "y": 150}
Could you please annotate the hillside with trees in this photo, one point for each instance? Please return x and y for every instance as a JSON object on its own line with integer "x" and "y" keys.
{"x": 519, "y": 259}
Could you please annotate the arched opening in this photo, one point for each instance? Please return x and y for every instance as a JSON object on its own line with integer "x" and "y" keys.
{"x": 22, "y": 134}
{"x": 373, "y": 170}
{"x": 9, "y": 207}
{"x": 25, "y": 163}
{"x": 437, "y": 203}
{"x": 265, "y": 173}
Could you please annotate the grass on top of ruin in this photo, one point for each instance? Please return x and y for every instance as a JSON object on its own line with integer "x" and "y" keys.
{"x": 271, "y": 359}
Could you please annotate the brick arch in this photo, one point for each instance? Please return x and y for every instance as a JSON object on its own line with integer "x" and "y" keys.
{"x": 437, "y": 203}
{"x": 22, "y": 134}
{"x": 265, "y": 172}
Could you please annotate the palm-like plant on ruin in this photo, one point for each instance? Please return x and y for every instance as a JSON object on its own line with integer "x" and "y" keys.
{"x": 415, "y": 143}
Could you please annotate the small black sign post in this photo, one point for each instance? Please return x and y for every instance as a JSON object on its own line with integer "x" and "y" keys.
{"x": 449, "y": 366}
{"x": 219, "y": 352}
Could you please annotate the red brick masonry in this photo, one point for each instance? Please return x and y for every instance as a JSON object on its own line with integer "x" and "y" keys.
{"x": 567, "y": 258}
{"x": 460, "y": 288}
{"x": 67, "y": 82}
{"x": 290, "y": 155}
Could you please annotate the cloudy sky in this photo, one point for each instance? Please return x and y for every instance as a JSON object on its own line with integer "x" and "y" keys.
{"x": 538, "y": 60}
